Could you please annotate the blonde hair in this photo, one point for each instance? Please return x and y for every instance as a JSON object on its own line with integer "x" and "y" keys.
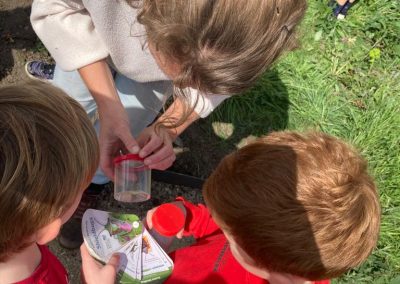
{"x": 301, "y": 204}
{"x": 48, "y": 153}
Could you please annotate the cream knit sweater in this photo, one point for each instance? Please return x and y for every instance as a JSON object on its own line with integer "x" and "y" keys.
{"x": 80, "y": 32}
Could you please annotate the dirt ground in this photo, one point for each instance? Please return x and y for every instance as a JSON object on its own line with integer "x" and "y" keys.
{"x": 201, "y": 149}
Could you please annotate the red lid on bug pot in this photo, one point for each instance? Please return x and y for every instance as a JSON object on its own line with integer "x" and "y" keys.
{"x": 134, "y": 157}
{"x": 168, "y": 219}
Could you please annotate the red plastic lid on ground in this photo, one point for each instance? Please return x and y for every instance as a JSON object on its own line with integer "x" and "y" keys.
{"x": 168, "y": 219}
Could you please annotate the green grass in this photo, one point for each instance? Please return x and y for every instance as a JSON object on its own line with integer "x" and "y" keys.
{"x": 335, "y": 84}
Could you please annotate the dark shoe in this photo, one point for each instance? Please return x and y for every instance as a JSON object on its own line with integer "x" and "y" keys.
{"x": 71, "y": 232}
{"x": 39, "y": 70}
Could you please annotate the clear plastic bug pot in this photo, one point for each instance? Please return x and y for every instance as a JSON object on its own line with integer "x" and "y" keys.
{"x": 132, "y": 179}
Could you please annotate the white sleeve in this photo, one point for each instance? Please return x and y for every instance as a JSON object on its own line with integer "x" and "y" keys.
{"x": 67, "y": 31}
{"x": 206, "y": 103}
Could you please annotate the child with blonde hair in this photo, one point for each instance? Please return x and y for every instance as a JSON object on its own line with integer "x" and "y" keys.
{"x": 121, "y": 59}
{"x": 48, "y": 155}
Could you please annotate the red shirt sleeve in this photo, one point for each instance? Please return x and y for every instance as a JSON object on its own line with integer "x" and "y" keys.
{"x": 199, "y": 222}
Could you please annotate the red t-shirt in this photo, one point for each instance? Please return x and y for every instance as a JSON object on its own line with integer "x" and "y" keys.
{"x": 210, "y": 260}
{"x": 49, "y": 271}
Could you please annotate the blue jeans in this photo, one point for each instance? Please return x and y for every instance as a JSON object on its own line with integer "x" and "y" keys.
{"x": 142, "y": 101}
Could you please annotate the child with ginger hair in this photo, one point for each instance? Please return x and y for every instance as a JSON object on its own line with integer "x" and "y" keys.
{"x": 121, "y": 59}
{"x": 289, "y": 208}
{"x": 48, "y": 155}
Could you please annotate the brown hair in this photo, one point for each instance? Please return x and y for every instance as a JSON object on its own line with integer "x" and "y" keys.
{"x": 223, "y": 46}
{"x": 48, "y": 153}
{"x": 302, "y": 204}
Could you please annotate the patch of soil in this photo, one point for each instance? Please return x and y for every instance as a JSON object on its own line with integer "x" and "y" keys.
{"x": 18, "y": 41}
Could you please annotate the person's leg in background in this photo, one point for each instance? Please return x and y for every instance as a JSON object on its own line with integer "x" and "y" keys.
{"x": 72, "y": 84}
{"x": 341, "y": 8}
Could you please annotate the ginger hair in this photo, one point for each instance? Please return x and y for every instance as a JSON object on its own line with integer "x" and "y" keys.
{"x": 302, "y": 204}
{"x": 48, "y": 154}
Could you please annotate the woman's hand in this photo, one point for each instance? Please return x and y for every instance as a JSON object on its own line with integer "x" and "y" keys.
{"x": 94, "y": 272}
{"x": 157, "y": 147}
{"x": 115, "y": 135}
